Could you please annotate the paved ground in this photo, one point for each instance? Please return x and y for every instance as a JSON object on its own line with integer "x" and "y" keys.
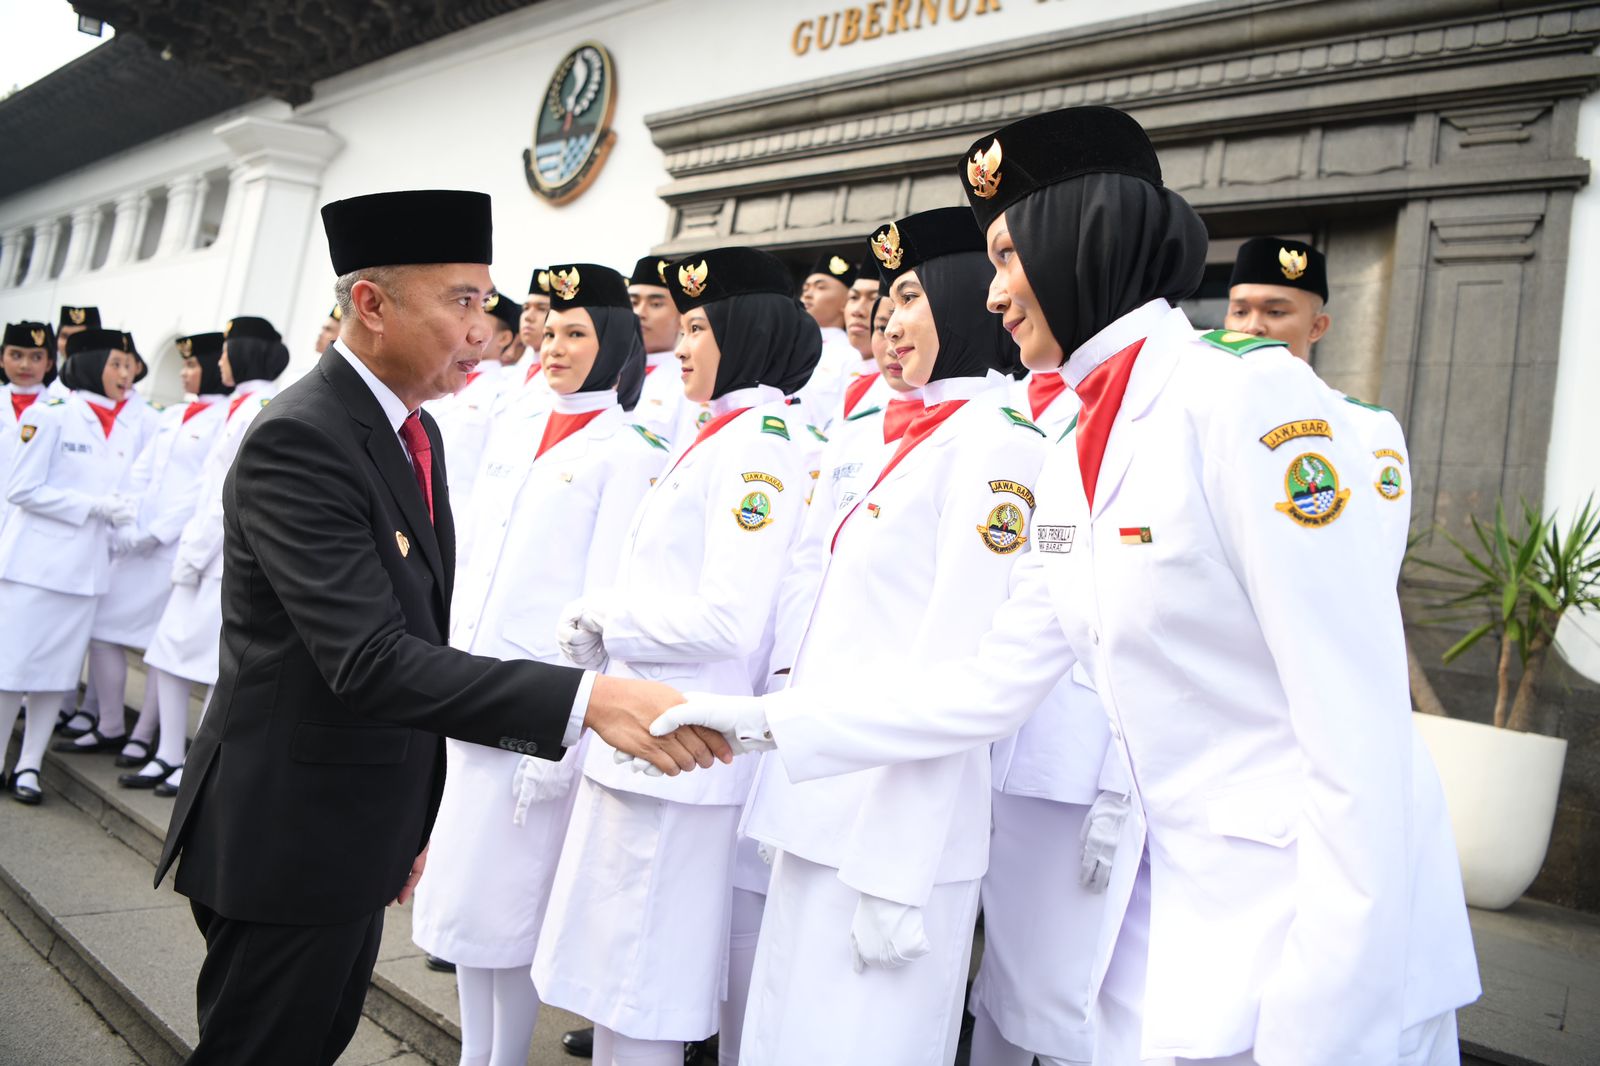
{"x": 47, "y": 1021}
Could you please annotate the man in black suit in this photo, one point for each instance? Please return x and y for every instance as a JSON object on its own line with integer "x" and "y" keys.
{"x": 317, "y": 771}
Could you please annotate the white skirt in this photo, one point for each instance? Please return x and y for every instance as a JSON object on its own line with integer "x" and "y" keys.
{"x": 482, "y": 897}
{"x": 189, "y": 632}
{"x": 636, "y": 937}
{"x": 44, "y": 635}
{"x": 1040, "y": 929}
{"x": 806, "y": 1000}
{"x": 140, "y": 585}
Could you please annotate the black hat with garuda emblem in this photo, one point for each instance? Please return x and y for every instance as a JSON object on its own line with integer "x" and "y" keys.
{"x": 707, "y": 277}
{"x": 907, "y": 243}
{"x": 30, "y": 335}
{"x": 411, "y": 227}
{"x": 252, "y": 327}
{"x": 88, "y": 317}
{"x": 1003, "y": 167}
{"x": 503, "y": 307}
{"x": 830, "y": 265}
{"x": 539, "y": 284}
{"x": 1276, "y": 261}
{"x": 586, "y": 285}
{"x": 650, "y": 270}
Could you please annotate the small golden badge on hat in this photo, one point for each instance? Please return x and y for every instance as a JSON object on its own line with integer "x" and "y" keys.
{"x": 38, "y": 336}
{"x": 544, "y": 281}
{"x": 886, "y": 246}
{"x": 693, "y": 279}
{"x": 492, "y": 302}
{"x": 837, "y": 266}
{"x": 983, "y": 171}
{"x": 1293, "y": 263}
{"x": 661, "y": 270}
{"x": 565, "y": 283}
{"x": 403, "y": 543}
{"x": 186, "y": 347}
{"x": 227, "y": 328}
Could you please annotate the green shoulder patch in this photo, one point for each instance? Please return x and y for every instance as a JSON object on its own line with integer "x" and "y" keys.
{"x": 775, "y": 425}
{"x": 1235, "y": 343}
{"x": 1017, "y": 418}
{"x": 1363, "y": 403}
{"x": 55, "y": 403}
{"x": 862, "y": 414}
{"x": 817, "y": 433}
{"x": 1070, "y": 427}
{"x": 653, "y": 440}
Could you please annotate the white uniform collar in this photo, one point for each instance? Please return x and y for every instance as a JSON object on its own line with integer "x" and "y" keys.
{"x": 960, "y": 388}
{"x": 579, "y": 403}
{"x": 96, "y": 399}
{"x": 26, "y": 390}
{"x": 393, "y": 408}
{"x": 207, "y": 398}
{"x": 253, "y": 386}
{"x": 754, "y": 396}
{"x": 660, "y": 358}
{"x": 831, "y": 334}
{"x": 1135, "y": 325}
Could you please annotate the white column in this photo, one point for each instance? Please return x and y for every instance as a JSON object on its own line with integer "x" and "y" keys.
{"x": 45, "y": 236}
{"x": 141, "y": 220}
{"x": 10, "y": 247}
{"x": 124, "y": 228}
{"x": 81, "y": 241}
{"x": 181, "y": 211}
{"x": 200, "y": 184}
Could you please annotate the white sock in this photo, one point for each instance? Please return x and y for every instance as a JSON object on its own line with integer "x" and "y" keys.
{"x": 41, "y": 723}
{"x": 10, "y": 707}
{"x": 516, "y": 1012}
{"x": 630, "y": 1052}
{"x": 991, "y": 1048}
{"x": 172, "y": 704}
{"x": 744, "y": 930}
{"x": 108, "y": 673}
{"x": 475, "y": 988}
{"x": 605, "y": 1047}
{"x": 145, "y": 728}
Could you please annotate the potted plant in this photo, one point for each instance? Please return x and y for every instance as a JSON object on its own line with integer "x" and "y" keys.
{"x": 1501, "y": 780}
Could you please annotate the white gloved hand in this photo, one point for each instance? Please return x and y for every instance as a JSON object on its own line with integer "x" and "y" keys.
{"x": 886, "y": 934}
{"x": 1102, "y": 828}
{"x": 740, "y": 719}
{"x": 184, "y": 572}
{"x": 115, "y": 510}
{"x": 131, "y": 540}
{"x": 579, "y": 634}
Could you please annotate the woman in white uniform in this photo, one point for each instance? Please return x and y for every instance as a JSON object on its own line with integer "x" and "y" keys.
{"x": 919, "y": 560}
{"x": 165, "y": 481}
{"x": 554, "y": 497}
{"x": 55, "y": 558}
{"x": 27, "y": 367}
{"x": 637, "y": 934}
{"x": 183, "y": 651}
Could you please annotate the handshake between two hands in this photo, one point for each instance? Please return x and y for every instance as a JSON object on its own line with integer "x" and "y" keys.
{"x": 661, "y": 731}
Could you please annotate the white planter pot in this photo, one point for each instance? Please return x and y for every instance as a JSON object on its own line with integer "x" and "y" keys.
{"x": 1501, "y": 787}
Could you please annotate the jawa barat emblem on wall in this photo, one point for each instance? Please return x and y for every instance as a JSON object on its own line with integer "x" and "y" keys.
{"x": 572, "y": 134}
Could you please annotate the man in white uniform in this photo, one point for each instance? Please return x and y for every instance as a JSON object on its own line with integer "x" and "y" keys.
{"x": 662, "y": 408}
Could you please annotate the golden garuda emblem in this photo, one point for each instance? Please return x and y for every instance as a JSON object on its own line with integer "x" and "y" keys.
{"x": 38, "y": 337}
{"x": 544, "y": 281}
{"x": 1293, "y": 263}
{"x": 661, "y": 270}
{"x": 983, "y": 171}
{"x": 886, "y": 246}
{"x": 492, "y": 302}
{"x": 227, "y": 327}
{"x": 186, "y": 347}
{"x": 693, "y": 279}
{"x": 837, "y": 266}
{"x": 565, "y": 283}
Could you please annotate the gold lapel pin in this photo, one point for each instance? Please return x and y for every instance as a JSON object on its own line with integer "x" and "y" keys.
{"x": 405, "y": 544}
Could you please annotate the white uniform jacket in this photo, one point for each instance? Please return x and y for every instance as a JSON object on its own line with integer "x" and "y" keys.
{"x": 917, "y": 567}
{"x": 200, "y": 544}
{"x": 166, "y": 475}
{"x": 464, "y": 420}
{"x": 10, "y": 432}
{"x": 143, "y": 416}
{"x": 1243, "y": 633}
{"x": 699, "y": 579}
{"x": 65, "y": 462}
{"x": 821, "y": 395}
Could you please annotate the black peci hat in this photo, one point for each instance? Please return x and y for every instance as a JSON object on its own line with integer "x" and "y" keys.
{"x": 650, "y": 270}
{"x": 200, "y": 345}
{"x": 911, "y": 241}
{"x": 88, "y": 317}
{"x": 539, "y": 284}
{"x": 586, "y": 285}
{"x": 30, "y": 335}
{"x": 705, "y": 278}
{"x": 836, "y": 267}
{"x": 95, "y": 340}
{"x": 250, "y": 326}
{"x": 1275, "y": 261}
{"x": 129, "y": 347}
{"x": 1003, "y": 167}
{"x": 507, "y": 310}
{"x": 416, "y": 226}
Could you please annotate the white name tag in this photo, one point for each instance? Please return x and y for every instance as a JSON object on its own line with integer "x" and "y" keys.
{"x": 1057, "y": 540}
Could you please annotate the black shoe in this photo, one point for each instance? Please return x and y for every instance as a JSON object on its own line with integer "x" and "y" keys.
{"x": 701, "y": 1052}
{"x": 25, "y": 793}
{"x": 166, "y": 789}
{"x": 579, "y": 1043}
{"x": 126, "y": 761}
{"x": 438, "y": 965}
{"x": 142, "y": 780}
{"x": 101, "y": 742}
{"x": 76, "y": 725}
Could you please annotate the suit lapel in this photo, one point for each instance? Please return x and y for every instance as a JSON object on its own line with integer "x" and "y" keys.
{"x": 1150, "y": 373}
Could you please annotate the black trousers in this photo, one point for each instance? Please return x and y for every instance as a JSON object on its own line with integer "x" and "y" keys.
{"x": 281, "y": 995}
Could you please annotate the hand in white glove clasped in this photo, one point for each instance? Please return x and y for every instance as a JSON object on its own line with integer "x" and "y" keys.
{"x": 886, "y": 934}
{"x": 131, "y": 540}
{"x": 1099, "y": 835}
{"x": 115, "y": 510}
{"x": 185, "y": 572}
{"x": 740, "y": 719}
{"x": 579, "y": 634}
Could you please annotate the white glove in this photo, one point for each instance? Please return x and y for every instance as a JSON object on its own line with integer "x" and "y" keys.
{"x": 1099, "y": 835}
{"x": 539, "y": 780}
{"x": 740, "y": 719}
{"x": 115, "y": 510}
{"x": 184, "y": 572}
{"x": 886, "y": 934}
{"x": 579, "y": 635}
{"x": 131, "y": 540}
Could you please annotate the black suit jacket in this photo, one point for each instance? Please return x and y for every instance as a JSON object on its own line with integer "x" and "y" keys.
{"x": 316, "y": 773}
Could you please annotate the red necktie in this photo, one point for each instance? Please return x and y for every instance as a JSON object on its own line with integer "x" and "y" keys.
{"x": 855, "y": 390}
{"x": 708, "y": 430}
{"x": 650, "y": 368}
{"x": 899, "y": 415}
{"x": 1101, "y": 396}
{"x": 921, "y": 428}
{"x": 106, "y": 415}
{"x": 532, "y": 370}
{"x": 117, "y": 408}
{"x": 233, "y": 405}
{"x": 21, "y": 401}
{"x": 194, "y": 409}
{"x": 1043, "y": 390}
{"x": 421, "y": 449}
{"x": 474, "y": 376}
{"x": 561, "y": 426}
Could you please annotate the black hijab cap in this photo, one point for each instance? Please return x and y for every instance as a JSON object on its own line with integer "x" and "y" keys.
{"x": 256, "y": 358}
